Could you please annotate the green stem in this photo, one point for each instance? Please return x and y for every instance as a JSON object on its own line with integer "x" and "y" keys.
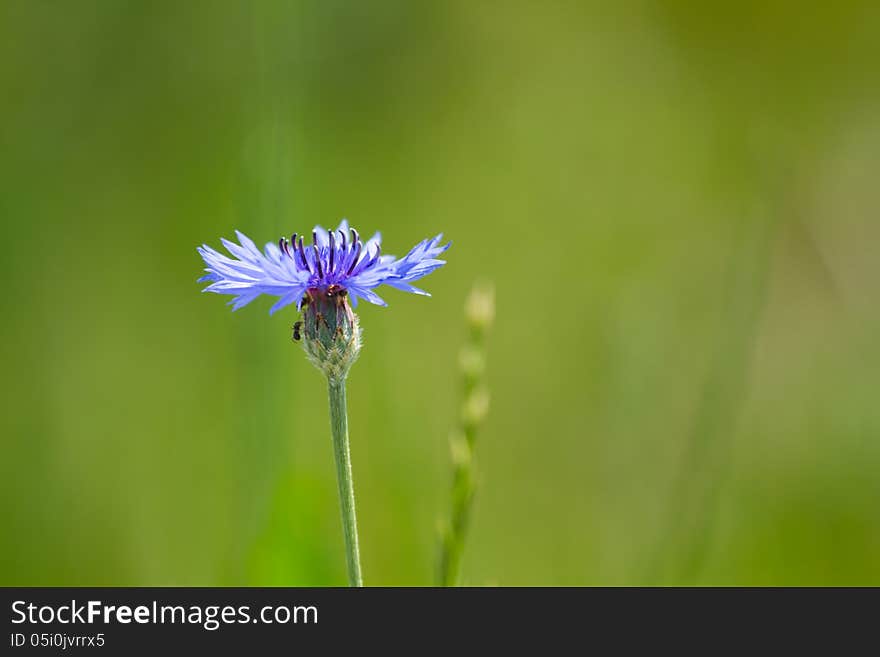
{"x": 339, "y": 427}
{"x": 453, "y": 541}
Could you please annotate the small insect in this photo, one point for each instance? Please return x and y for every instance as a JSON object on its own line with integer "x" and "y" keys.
{"x": 297, "y": 336}
{"x": 336, "y": 290}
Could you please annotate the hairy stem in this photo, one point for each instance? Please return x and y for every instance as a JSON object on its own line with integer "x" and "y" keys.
{"x": 339, "y": 428}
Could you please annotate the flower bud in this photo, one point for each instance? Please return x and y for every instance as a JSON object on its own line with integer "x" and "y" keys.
{"x": 480, "y": 307}
{"x": 460, "y": 449}
{"x": 331, "y": 332}
{"x": 476, "y": 407}
{"x": 471, "y": 362}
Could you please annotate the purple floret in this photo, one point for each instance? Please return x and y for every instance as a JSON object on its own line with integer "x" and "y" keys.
{"x": 335, "y": 259}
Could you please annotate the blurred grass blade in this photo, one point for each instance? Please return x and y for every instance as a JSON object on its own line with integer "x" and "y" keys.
{"x": 479, "y": 314}
{"x": 692, "y": 507}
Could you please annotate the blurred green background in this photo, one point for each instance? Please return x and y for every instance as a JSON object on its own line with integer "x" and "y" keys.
{"x": 677, "y": 203}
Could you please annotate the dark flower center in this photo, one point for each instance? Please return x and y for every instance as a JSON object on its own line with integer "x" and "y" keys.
{"x": 329, "y": 265}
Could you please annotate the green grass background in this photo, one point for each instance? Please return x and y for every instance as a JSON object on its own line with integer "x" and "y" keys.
{"x": 677, "y": 203}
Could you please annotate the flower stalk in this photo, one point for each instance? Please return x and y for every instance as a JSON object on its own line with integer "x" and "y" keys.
{"x": 479, "y": 313}
{"x": 342, "y": 454}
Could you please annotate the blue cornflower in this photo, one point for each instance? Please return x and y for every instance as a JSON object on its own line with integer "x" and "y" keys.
{"x": 335, "y": 263}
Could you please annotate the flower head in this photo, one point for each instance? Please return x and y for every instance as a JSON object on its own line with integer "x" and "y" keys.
{"x": 335, "y": 263}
